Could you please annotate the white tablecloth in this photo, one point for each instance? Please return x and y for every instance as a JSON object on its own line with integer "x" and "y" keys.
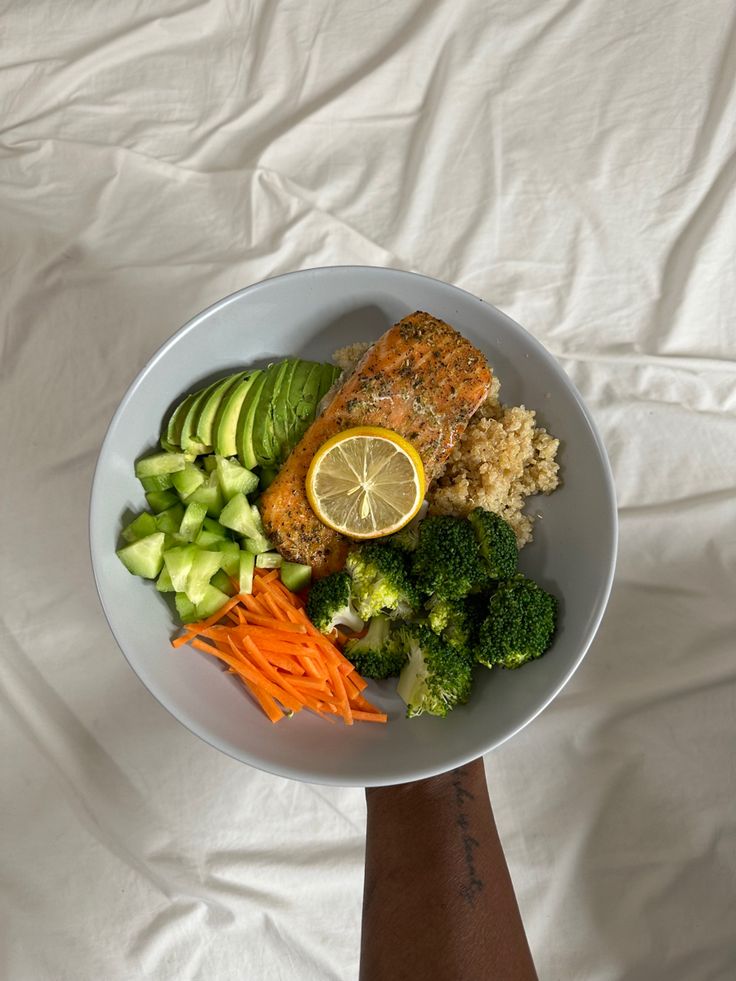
{"x": 571, "y": 162}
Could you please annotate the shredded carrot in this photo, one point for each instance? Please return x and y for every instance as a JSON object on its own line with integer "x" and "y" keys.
{"x": 267, "y": 641}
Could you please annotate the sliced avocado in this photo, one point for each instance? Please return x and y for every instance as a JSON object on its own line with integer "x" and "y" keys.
{"x": 227, "y": 422}
{"x": 303, "y": 399}
{"x": 173, "y": 429}
{"x": 330, "y": 374}
{"x": 208, "y": 413}
{"x": 281, "y": 410}
{"x": 189, "y": 441}
{"x": 244, "y": 432}
{"x": 263, "y": 422}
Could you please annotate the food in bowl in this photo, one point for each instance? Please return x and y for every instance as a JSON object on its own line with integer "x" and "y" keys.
{"x": 287, "y": 523}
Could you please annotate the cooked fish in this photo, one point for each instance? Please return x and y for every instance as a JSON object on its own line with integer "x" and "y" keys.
{"x": 422, "y": 379}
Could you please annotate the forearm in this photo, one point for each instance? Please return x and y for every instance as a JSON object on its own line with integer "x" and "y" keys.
{"x": 438, "y": 900}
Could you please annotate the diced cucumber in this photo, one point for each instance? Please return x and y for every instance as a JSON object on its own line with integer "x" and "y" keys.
{"x": 245, "y": 573}
{"x": 205, "y": 539}
{"x": 214, "y": 526}
{"x": 144, "y": 557}
{"x": 257, "y": 544}
{"x": 188, "y": 480}
{"x": 212, "y": 600}
{"x": 210, "y": 495}
{"x": 185, "y": 608}
{"x": 160, "y": 482}
{"x": 204, "y": 565}
{"x": 160, "y": 501}
{"x": 223, "y": 582}
{"x": 268, "y": 560}
{"x": 238, "y": 516}
{"x": 164, "y": 583}
{"x": 234, "y": 479}
{"x": 158, "y": 463}
{"x": 179, "y": 563}
{"x": 144, "y": 524}
{"x": 295, "y": 576}
{"x": 229, "y": 555}
{"x": 191, "y": 523}
{"x": 170, "y": 519}
{"x": 209, "y": 462}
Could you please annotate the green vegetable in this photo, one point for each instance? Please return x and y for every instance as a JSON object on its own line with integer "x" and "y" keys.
{"x": 268, "y": 560}
{"x": 245, "y": 572}
{"x": 497, "y": 543}
{"x": 329, "y": 603}
{"x": 159, "y": 463}
{"x": 234, "y": 479}
{"x": 380, "y": 583}
{"x": 447, "y": 561}
{"x": 185, "y": 608}
{"x": 519, "y": 626}
{"x": 191, "y": 523}
{"x": 381, "y": 653}
{"x": 145, "y": 556}
{"x": 159, "y": 501}
{"x": 178, "y": 561}
{"x": 295, "y": 577}
{"x": 223, "y": 582}
{"x": 212, "y": 600}
{"x": 204, "y": 565}
{"x": 161, "y": 482}
{"x": 242, "y": 517}
{"x": 436, "y": 677}
{"x": 144, "y": 524}
{"x": 169, "y": 521}
{"x": 210, "y": 495}
{"x": 164, "y": 583}
{"x": 187, "y": 480}
{"x": 229, "y": 555}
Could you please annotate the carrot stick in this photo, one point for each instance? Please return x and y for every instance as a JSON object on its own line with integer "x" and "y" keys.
{"x": 370, "y": 716}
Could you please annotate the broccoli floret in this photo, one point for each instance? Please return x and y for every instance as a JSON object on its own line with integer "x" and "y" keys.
{"x": 447, "y": 561}
{"x": 521, "y": 621}
{"x": 380, "y": 581}
{"x": 381, "y": 653}
{"x": 458, "y": 621}
{"x": 329, "y": 603}
{"x": 408, "y": 538}
{"x": 497, "y": 543}
{"x": 436, "y": 678}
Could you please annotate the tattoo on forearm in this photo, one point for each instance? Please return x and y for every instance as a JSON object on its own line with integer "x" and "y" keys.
{"x": 473, "y": 884}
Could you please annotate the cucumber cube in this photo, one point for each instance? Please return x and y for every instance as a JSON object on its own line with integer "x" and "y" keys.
{"x": 170, "y": 519}
{"x": 210, "y": 495}
{"x": 187, "y": 480}
{"x": 159, "y": 501}
{"x": 223, "y": 582}
{"x": 144, "y": 524}
{"x": 212, "y": 601}
{"x": 268, "y": 560}
{"x": 179, "y": 563}
{"x": 159, "y": 483}
{"x": 209, "y": 463}
{"x": 158, "y": 463}
{"x": 245, "y": 574}
{"x": 238, "y": 515}
{"x": 164, "y": 583}
{"x": 144, "y": 557}
{"x": 235, "y": 479}
{"x": 191, "y": 523}
{"x": 257, "y": 544}
{"x": 185, "y": 608}
{"x": 215, "y": 528}
{"x": 205, "y": 539}
{"x": 229, "y": 556}
{"x": 204, "y": 566}
{"x": 295, "y": 576}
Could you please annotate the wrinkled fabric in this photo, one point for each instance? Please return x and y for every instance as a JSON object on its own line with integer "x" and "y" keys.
{"x": 571, "y": 162}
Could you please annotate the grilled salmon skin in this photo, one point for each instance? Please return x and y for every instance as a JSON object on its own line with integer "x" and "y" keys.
{"x": 422, "y": 379}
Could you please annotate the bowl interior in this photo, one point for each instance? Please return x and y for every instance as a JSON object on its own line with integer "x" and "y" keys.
{"x": 311, "y": 313}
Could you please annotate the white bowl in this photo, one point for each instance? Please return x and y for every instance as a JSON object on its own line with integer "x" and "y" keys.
{"x": 311, "y": 313}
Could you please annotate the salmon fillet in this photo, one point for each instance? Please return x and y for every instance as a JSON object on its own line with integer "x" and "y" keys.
{"x": 422, "y": 379}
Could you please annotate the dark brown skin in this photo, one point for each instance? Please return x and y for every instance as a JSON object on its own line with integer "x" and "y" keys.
{"x": 438, "y": 901}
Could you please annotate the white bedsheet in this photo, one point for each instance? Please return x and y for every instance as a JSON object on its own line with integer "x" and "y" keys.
{"x": 571, "y": 162}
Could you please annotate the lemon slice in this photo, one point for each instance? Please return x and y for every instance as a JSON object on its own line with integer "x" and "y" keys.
{"x": 366, "y": 482}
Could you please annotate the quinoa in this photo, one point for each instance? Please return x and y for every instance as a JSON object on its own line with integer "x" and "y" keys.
{"x": 501, "y": 459}
{"x": 348, "y": 357}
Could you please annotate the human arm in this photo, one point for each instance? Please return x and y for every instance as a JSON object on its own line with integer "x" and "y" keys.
{"x": 438, "y": 899}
